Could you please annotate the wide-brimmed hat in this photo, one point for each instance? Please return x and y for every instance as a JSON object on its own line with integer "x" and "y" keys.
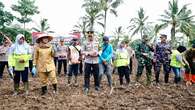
{"x": 43, "y": 36}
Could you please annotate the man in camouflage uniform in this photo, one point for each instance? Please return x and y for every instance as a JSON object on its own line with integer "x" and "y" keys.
{"x": 162, "y": 57}
{"x": 144, "y": 58}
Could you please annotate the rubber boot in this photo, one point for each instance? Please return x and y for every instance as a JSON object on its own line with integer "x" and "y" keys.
{"x": 148, "y": 79}
{"x": 44, "y": 90}
{"x": 16, "y": 88}
{"x": 137, "y": 78}
{"x": 166, "y": 78}
{"x": 26, "y": 88}
{"x": 55, "y": 88}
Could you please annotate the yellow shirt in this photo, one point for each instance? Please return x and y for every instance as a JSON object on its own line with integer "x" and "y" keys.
{"x": 43, "y": 59}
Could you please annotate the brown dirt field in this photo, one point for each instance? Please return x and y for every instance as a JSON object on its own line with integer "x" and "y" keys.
{"x": 134, "y": 97}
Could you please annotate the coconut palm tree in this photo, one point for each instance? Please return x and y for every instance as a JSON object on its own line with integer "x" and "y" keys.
{"x": 139, "y": 24}
{"x": 109, "y": 5}
{"x": 44, "y": 26}
{"x": 81, "y": 26}
{"x": 118, "y": 33}
{"x": 180, "y": 19}
{"x": 93, "y": 14}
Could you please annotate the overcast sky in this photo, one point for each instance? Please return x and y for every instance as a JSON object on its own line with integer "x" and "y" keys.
{"x": 63, "y": 14}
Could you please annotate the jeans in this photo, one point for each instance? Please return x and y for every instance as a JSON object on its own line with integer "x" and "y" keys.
{"x": 91, "y": 69}
{"x": 177, "y": 72}
{"x": 2, "y": 66}
{"x": 73, "y": 69}
{"x": 60, "y": 63}
{"x": 105, "y": 69}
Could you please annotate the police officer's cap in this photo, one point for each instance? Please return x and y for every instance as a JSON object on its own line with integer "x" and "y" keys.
{"x": 163, "y": 36}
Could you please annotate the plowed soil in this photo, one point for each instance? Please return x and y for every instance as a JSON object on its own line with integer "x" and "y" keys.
{"x": 133, "y": 97}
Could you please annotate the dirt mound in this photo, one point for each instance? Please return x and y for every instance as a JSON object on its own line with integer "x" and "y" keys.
{"x": 133, "y": 97}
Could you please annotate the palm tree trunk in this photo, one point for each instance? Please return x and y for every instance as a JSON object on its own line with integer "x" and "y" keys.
{"x": 92, "y": 24}
{"x": 24, "y": 28}
{"x": 105, "y": 16}
{"x": 173, "y": 42}
{"x": 141, "y": 33}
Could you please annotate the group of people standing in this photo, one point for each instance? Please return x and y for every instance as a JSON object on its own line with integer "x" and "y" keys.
{"x": 21, "y": 58}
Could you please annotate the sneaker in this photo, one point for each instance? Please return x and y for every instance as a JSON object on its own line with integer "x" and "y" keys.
{"x": 15, "y": 93}
{"x": 55, "y": 92}
{"x": 86, "y": 91}
{"x": 111, "y": 90}
{"x": 97, "y": 88}
{"x": 26, "y": 92}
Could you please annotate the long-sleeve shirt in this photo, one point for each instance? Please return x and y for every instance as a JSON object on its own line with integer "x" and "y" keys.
{"x": 43, "y": 59}
{"x": 106, "y": 54}
{"x": 142, "y": 49}
{"x": 4, "y": 53}
{"x": 62, "y": 52}
{"x": 90, "y": 48}
{"x": 162, "y": 52}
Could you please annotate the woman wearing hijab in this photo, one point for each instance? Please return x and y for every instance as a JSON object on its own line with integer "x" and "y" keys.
{"x": 19, "y": 55}
{"x": 43, "y": 61}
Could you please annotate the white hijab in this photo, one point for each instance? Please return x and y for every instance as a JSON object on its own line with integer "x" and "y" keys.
{"x": 17, "y": 48}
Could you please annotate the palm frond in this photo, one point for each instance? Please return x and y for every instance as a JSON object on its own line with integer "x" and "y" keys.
{"x": 116, "y": 3}
{"x": 35, "y": 29}
{"x": 100, "y": 23}
{"x": 113, "y": 11}
{"x": 136, "y": 31}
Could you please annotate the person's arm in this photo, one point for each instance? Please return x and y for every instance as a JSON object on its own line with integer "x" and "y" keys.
{"x": 10, "y": 56}
{"x": 184, "y": 59}
{"x": 179, "y": 58}
{"x": 138, "y": 51}
{"x": 68, "y": 54}
{"x": 110, "y": 53}
{"x": 84, "y": 51}
{"x": 35, "y": 56}
{"x": 7, "y": 38}
{"x": 155, "y": 53}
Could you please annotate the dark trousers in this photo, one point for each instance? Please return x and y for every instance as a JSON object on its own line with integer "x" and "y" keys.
{"x": 30, "y": 65}
{"x": 18, "y": 74}
{"x": 81, "y": 67}
{"x": 130, "y": 65}
{"x": 166, "y": 68}
{"x": 89, "y": 70}
{"x": 2, "y": 66}
{"x": 73, "y": 69}
{"x": 55, "y": 60}
{"x": 124, "y": 71}
{"x": 60, "y": 63}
